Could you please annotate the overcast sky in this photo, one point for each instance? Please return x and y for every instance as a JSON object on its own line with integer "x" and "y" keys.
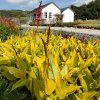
{"x": 31, "y": 4}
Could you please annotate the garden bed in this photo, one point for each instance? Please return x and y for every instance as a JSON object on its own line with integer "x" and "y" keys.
{"x": 51, "y": 66}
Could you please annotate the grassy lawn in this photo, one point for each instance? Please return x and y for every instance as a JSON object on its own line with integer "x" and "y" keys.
{"x": 95, "y": 24}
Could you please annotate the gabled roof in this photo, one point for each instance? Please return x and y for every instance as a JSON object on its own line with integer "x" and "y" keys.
{"x": 43, "y": 6}
{"x": 63, "y": 9}
{"x": 49, "y": 4}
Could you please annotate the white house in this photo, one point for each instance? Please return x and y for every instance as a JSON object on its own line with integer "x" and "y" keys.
{"x": 68, "y": 15}
{"x": 50, "y": 10}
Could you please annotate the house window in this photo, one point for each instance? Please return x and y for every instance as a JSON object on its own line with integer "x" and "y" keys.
{"x": 45, "y": 14}
{"x": 50, "y": 15}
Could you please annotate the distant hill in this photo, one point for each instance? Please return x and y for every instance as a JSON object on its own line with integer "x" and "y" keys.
{"x": 90, "y": 11}
{"x": 13, "y": 13}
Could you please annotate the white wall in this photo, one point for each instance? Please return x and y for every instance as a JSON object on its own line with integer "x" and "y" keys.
{"x": 50, "y": 8}
{"x": 68, "y": 15}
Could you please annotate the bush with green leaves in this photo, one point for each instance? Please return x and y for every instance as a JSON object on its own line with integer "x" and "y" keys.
{"x": 7, "y": 27}
{"x": 4, "y": 32}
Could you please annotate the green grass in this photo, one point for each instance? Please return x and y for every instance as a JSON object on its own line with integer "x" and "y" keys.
{"x": 89, "y": 24}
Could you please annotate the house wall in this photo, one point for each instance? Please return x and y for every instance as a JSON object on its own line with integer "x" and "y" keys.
{"x": 50, "y": 8}
{"x": 68, "y": 15}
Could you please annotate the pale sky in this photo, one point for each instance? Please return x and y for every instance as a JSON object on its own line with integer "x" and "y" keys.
{"x": 31, "y": 4}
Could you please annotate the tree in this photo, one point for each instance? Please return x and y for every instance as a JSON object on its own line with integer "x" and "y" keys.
{"x": 89, "y": 11}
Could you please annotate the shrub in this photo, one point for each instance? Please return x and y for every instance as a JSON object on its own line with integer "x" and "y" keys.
{"x": 68, "y": 24}
{"x": 4, "y": 32}
{"x": 52, "y": 68}
{"x": 7, "y": 27}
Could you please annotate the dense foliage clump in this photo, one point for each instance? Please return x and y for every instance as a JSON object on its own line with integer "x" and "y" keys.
{"x": 7, "y": 27}
{"x": 89, "y": 11}
{"x": 52, "y": 67}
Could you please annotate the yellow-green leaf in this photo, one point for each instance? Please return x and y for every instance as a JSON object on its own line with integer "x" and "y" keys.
{"x": 83, "y": 83}
{"x": 15, "y": 71}
{"x": 49, "y": 86}
{"x": 19, "y": 83}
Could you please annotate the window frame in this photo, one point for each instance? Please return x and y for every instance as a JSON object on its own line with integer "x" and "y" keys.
{"x": 45, "y": 14}
{"x": 50, "y": 15}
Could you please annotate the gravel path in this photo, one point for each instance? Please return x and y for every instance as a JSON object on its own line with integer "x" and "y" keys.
{"x": 67, "y": 29}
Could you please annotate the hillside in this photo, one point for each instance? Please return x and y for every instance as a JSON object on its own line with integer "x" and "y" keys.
{"x": 13, "y": 13}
